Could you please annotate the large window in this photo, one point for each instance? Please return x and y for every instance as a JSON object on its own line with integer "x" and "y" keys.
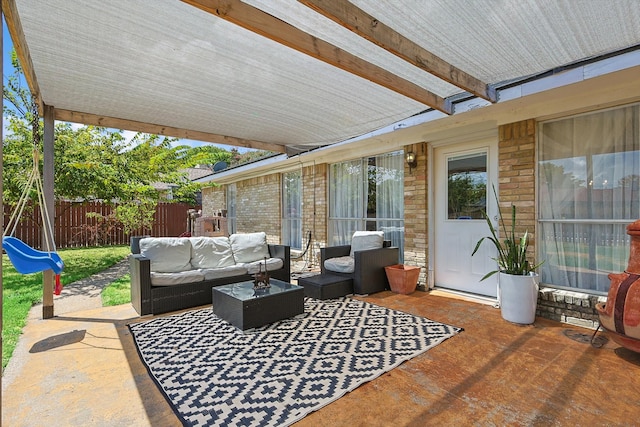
{"x": 292, "y": 209}
{"x": 367, "y": 194}
{"x": 589, "y": 185}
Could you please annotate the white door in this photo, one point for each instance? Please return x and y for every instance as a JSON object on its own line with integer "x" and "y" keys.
{"x": 464, "y": 177}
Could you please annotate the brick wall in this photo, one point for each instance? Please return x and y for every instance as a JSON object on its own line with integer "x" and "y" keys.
{"x": 576, "y": 308}
{"x": 314, "y": 210}
{"x": 516, "y": 147}
{"x": 415, "y": 212}
{"x": 213, "y": 199}
{"x": 516, "y": 179}
{"x": 258, "y": 206}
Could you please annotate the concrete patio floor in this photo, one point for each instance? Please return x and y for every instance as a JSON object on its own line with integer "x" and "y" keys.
{"x": 82, "y": 368}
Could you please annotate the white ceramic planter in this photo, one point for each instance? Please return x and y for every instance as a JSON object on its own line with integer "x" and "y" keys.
{"x": 519, "y": 297}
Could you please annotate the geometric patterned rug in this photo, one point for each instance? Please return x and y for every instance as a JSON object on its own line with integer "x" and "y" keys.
{"x": 216, "y": 375}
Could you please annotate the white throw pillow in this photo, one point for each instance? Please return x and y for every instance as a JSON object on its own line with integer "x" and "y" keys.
{"x": 365, "y": 240}
{"x": 211, "y": 252}
{"x": 249, "y": 247}
{"x": 167, "y": 254}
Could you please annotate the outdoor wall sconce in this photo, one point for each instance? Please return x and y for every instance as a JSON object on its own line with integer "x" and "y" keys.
{"x": 412, "y": 162}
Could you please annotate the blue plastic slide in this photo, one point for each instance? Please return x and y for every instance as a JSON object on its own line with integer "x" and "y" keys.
{"x": 27, "y": 260}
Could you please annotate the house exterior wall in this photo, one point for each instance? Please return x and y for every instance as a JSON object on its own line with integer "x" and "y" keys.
{"x": 213, "y": 199}
{"x": 258, "y": 205}
{"x": 517, "y": 186}
{"x": 516, "y": 177}
{"x": 259, "y": 200}
{"x": 416, "y": 242}
{"x": 315, "y": 210}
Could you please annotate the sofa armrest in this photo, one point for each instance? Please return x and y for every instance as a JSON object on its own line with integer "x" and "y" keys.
{"x": 283, "y": 252}
{"x": 140, "y": 273}
{"x": 369, "y": 275}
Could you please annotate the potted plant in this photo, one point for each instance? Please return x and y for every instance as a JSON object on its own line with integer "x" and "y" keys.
{"x": 517, "y": 280}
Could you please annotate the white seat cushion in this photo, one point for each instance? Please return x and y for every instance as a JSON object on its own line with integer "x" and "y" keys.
{"x": 167, "y": 254}
{"x": 249, "y": 247}
{"x": 228, "y": 271}
{"x": 365, "y": 240}
{"x": 272, "y": 264}
{"x": 343, "y": 264}
{"x": 169, "y": 279}
{"x": 211, "y": 252}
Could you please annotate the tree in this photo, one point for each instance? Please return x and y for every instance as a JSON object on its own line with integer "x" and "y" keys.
{"x": 94, "y": 163}
{"x": 136, "y": 214}
{"x": 90, "y": 162}
{"x": 207, "y": 155}
{"x": 466, "y": 195}
{"x": 18, "y": 142}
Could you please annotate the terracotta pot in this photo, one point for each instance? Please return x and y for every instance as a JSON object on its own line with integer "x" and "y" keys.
{"x": 620, "y": 315}
{"x": 403, "y": 279}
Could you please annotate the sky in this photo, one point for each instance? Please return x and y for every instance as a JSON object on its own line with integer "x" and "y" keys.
{"x": 8, "y": 70}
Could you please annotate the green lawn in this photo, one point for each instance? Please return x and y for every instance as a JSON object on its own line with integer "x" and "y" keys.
{"x": 118, "y": 292}
{"x": 21, "y": 292}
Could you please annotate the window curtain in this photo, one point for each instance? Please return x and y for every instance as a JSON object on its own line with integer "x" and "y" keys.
{"x": 346, "y": 201}
{"x": 367, "y": 194}
{"x": 389, "y": 194}
{"x": 291, "y": 209}
{"x": 589, "y": 182}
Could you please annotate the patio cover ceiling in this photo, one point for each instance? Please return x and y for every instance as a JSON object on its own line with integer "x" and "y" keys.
{"x": 287, "y": 75}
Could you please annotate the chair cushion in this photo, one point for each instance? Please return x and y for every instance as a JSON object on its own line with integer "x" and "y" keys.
{"x": 272, "y": 264}
{"x": 211, "y": 252}
{"x": 249, "y": 247}
{"x": 228, "y": 271}
{"x": 343, "y": 264}
{"x": 167, "y": 254}
{"x": 365, "y": 240}
{"x": 169, "y": 279}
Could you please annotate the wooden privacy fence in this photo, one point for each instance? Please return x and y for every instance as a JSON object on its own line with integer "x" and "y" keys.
{"x": 74, "y": 228}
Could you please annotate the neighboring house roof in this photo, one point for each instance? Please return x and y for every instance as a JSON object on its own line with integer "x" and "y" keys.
{"x": 208, "y": 73}
{"x": 196, "y": 173}
{"x": 193, "y": 174}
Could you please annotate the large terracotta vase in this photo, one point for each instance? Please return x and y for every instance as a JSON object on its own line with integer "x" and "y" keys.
{"x": 620, "y": 316}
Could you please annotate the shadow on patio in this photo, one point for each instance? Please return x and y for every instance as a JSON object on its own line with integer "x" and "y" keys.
{"x": 82, "y": 368}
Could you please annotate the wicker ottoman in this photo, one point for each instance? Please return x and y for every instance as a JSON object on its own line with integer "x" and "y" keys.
{"x": 326, "y": 286}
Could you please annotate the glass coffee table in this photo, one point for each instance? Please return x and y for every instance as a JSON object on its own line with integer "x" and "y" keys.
{"x": 246, "y": 308}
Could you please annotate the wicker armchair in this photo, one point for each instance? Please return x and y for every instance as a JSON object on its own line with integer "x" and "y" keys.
{"x": 368, "y": 274}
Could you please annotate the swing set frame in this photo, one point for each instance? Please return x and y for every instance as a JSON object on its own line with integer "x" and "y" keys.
{"x": 24, "y": 258}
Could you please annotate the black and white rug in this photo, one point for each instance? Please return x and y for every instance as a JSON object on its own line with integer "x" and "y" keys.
{"x": 214, "y": 374}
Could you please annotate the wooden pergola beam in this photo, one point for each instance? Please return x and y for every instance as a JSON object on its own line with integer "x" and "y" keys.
{"x": 116, "y": 123}
{"x": 358, "y": 21}
{"x": 260, "y": 22}
{"x": 14, "y": 26}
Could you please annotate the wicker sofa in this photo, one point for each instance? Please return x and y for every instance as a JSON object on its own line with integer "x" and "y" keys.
{"x": 172, "y": 274}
